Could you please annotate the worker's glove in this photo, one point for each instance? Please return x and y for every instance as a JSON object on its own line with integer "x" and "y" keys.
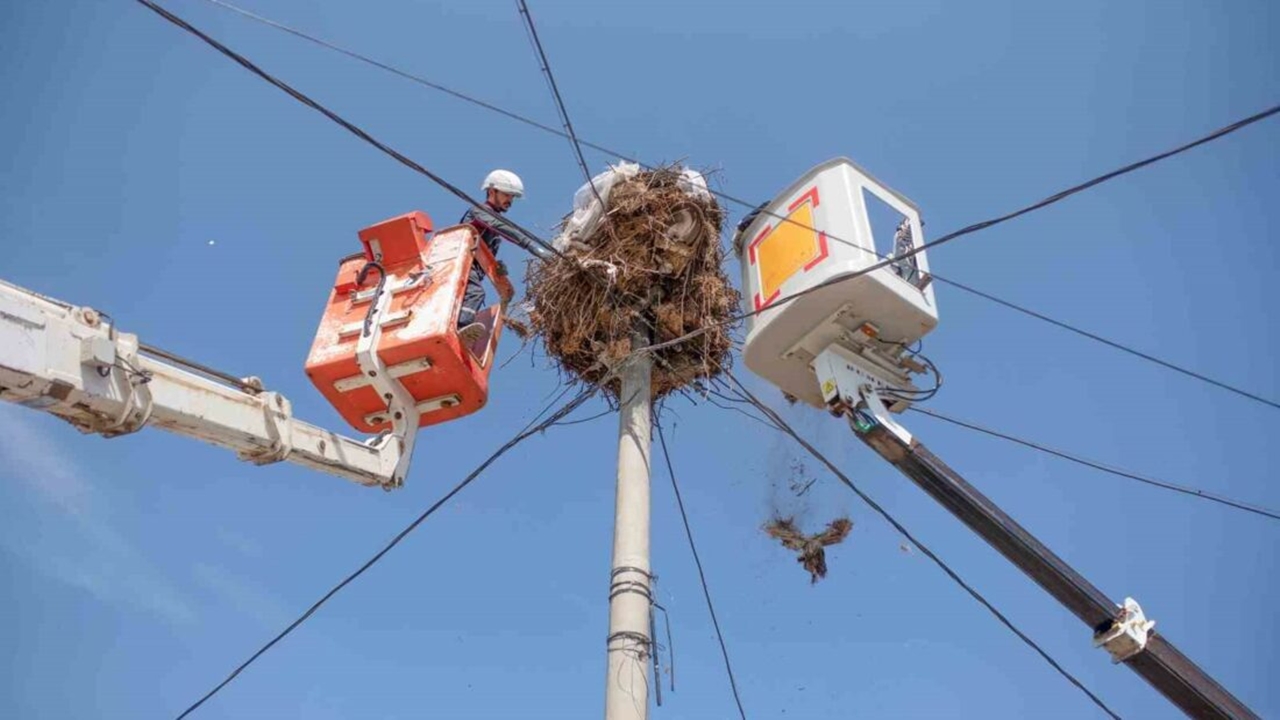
{"x": 579, "y": 247}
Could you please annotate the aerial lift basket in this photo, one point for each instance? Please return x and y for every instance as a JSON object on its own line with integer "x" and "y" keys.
{"x": 827, "y": 239}
{"x": 423, "y": 276}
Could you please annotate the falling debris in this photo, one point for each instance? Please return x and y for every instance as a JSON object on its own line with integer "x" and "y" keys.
{"x": 516, "y": 325}
{"x": 801, "y": 488}
{"x": 656, "y": 258}
{"x": 800, "y": 480}
{"x": 811, "y": 548}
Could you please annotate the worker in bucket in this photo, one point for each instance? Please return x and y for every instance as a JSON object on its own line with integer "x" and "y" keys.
{"x": 501, "y": 188}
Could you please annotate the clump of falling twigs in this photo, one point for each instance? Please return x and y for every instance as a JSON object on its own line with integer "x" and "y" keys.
{"x": 663, "y": 245}
{"x": 517, "y": 326}
{"x": 811, "y": 549}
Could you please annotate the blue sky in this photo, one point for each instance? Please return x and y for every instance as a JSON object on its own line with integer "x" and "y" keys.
{"x": 137, "y": 572}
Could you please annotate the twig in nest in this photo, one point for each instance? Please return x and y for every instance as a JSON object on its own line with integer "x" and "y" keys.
{"x": 670, "y": 285}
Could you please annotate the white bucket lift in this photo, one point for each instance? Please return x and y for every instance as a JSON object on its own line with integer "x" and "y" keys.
{"x": 867, "y": 320}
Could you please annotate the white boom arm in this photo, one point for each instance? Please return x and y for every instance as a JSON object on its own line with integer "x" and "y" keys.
{"x": 67, "y": 361}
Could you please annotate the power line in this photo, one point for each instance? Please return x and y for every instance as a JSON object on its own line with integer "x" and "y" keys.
{"x": 751, "y": 205}
{"x": 1056, "y": 197}
{"x": 1064, "y": 194}
{"x": 583, "y": 396}
{"x": 551, "y": 420}
{"x": 523, "y": 9}
{"x": 970, "y": 229}
{"x": 458, "y": 94}
{"x": 1193, "y": 492}
{"x": 350, "y": 127}
{"x": 1112, "y": 344}
{"x": 782, "y": 426}
{"x": 397, "y": 71}
{"x": 702, "y": 576}
{"x": 1052, "y": 321}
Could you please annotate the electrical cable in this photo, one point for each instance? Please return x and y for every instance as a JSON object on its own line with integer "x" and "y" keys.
{"x": 914, "y": 395}
{"x": 975, "y": 227}
{"x": 590, "y": 418}
{"x": 347, "y": 125}
{"x": 396, "y": 71}
{"x": 702, "y": 575}
{"x": 1193, "y": 492}
{"x": 671, "y": 646}
{"x": 783, "y": 427}
{"x": 751, "y": 205}
{"x": 551, "y": 420}
{"x": 523, "y": 8}
{"x": 583, "y": 396}
{"x": 1111, "y": 343}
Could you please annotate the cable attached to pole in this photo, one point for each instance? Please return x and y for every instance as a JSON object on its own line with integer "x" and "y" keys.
{"x": 531, "y": 430}
{"x": 752, "y": 205}
{"x": 702, "y": 575}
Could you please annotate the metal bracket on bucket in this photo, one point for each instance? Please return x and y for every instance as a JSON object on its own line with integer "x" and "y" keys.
{"x": 402, "y": 411}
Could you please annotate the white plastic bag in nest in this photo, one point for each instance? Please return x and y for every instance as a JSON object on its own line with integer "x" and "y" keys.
{"x": 587, "y": 211}
{"x": 692, "y": 182}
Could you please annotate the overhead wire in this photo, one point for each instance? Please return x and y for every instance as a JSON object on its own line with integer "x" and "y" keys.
{"x": 782, "y": 426}
{"x": 396, "y": 71}
{"x": 523, "y": 8}
{"x": 524, "y": 434}
{"x": 573, "y": 404}
{"x": 331, "y": 115}
{"x": 1113, "y": 344}
{"x": 975, "y": 227}
{"x": 590, "y": 418}
{"x": 702, "y": 575}
{"x": 404, "y": 160}
{"x": 969, "y": 229}
{"x": 782, "y": 218}
{"x": 1071, "y": 457}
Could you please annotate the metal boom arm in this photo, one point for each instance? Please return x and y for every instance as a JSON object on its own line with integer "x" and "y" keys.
{"x": 1122, "y": 630}
{"x": 68, "y": 361}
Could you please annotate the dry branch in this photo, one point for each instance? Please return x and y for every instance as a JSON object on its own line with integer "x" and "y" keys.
{"x": 666, "y": 247}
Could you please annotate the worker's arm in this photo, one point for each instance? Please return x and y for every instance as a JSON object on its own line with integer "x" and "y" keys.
{"x": 510, "y": 232}
{"x": 495, "y": 269}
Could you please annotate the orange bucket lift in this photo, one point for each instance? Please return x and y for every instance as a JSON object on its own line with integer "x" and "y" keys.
{"x": 387, "y": 354}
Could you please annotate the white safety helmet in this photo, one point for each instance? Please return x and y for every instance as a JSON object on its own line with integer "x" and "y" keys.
{"x": 504, "y": 181}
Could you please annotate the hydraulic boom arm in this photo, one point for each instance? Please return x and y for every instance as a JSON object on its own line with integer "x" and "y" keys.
{"x": 1122, "y": 630}
{"x": 70, "y": 362}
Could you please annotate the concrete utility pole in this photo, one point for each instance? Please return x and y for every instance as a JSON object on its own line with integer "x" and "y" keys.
{"x": 626, "y": 694}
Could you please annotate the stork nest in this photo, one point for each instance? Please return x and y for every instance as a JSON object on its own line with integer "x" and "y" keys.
{"x": 663, "y": 246}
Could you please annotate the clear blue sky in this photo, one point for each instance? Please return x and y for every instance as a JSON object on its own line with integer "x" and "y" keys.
{"x": 134, "y": 573}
